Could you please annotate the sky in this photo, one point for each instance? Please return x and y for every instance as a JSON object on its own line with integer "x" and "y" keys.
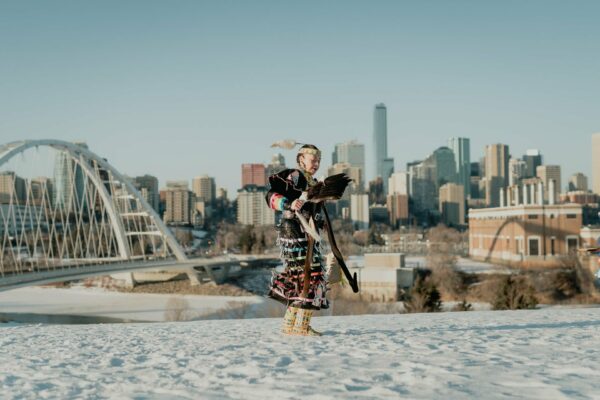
{"x": 178, "y": 89}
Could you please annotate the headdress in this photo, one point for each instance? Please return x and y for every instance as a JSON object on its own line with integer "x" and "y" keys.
{"x": 290, "y": 144}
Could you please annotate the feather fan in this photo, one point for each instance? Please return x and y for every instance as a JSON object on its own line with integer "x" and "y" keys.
{"x": 332, "y": 188}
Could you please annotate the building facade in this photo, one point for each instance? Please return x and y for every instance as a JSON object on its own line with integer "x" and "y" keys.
{"x": 252, "y": 209}
{"x": 525, "y": 235}
{"x": 12, "y": 188}
{"x": 452, "y": 204}
{"x": 204, "y": 189}
{"x": 496, "y": 172}
{"x": 148, "y": 187}
{"x": 179, "y": 203}
{"x": 578, "y": 182}
{"x": 359, "y": 211}
{"x": 254, "y": 174}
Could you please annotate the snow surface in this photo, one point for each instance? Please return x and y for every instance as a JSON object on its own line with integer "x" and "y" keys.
{"x": 538, "y": 354}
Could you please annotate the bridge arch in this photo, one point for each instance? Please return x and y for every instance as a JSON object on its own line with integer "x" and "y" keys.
{"x": 128, "y": 215}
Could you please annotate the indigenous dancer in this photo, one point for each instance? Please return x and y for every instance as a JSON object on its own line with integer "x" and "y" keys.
{"x": 288, "y": 286}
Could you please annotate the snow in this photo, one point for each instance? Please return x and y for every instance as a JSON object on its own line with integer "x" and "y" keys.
{"x": 541, "y": 354}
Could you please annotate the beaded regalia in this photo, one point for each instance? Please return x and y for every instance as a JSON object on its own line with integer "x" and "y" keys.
{"x": 299, "y": 242}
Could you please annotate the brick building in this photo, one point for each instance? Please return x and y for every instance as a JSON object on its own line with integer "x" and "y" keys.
{"x": 529, "y": 235}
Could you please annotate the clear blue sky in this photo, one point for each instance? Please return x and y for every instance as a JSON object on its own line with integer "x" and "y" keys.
{"x": 183, "y": 88}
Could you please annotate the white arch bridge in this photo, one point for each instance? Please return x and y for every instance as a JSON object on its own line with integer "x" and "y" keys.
{"x": 78, "y": 217}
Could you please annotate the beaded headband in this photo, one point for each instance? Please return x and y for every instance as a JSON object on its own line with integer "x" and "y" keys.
{"x": 307, "y": 150}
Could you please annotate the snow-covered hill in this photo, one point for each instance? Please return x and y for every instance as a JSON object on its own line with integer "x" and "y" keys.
{"x": 542, "y": 354}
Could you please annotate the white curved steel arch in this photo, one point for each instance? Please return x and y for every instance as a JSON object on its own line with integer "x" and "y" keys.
{"x": 9, "y": 150}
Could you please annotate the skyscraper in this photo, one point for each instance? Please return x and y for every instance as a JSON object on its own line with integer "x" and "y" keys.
{"x": 425, "y": 179}
{"x": 578, "y": 181}
{"x": 148, "y": 187}
{"x": 517, "y": 170}
{"x": 359, "y": 211}
{"x": 352, "y": 153}
{"x": 204, "y": 188}
{"x": 380, "y": 141}
{"x": 496, "y": 172}
{"x": 533, "y": 159}
{"x": 462, "y": 157}
{"x": 596, "y": 163}
{"x": 547, "y": 173}
{"x": 69, "y": 181}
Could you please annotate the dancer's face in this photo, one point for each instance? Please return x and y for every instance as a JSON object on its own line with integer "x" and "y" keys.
{"x": 310, "y": 163}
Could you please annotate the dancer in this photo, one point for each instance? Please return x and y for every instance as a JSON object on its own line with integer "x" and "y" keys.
{"x": 300, "y": 197}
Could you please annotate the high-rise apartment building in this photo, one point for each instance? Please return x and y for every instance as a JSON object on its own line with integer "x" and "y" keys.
{"x": 578, "y": 182}
{"x": 179, "y": 203}
{"x": 254, "y": 174}
{"x": 496, "y": 172}
{"x": 252, "y": 209}
{"x": 596, "y": 163}
{"x": 461, "y": 147}
{"x": 204, "y": 189}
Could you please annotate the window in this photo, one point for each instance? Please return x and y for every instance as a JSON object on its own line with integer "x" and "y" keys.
{"x": 571, "y": 216}
{"x": 531, "y": 216}
{"x": 520, "y": 246}
{"x": 534, "y": 247}
{"x": 552, "y": 244}
{"x": 572, "y": 244}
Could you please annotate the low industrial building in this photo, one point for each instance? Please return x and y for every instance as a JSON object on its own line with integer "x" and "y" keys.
{"x": 525, "y": 235}
{"x": 384, "y": 276}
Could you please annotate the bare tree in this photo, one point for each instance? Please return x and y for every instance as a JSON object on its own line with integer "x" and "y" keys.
{"x": 441, "y": 259}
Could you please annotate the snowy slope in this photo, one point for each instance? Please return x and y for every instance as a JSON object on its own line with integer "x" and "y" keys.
{"x": 542, "y": 354}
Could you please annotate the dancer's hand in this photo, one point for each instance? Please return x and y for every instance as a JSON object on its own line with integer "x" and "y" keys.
{"x": 297, "y": 204}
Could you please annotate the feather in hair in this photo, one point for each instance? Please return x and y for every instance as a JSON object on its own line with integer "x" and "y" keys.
{"x": 288, "y": 144}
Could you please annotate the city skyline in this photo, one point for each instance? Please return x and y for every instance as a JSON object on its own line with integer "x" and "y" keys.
{"x": 203, "y": 88}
